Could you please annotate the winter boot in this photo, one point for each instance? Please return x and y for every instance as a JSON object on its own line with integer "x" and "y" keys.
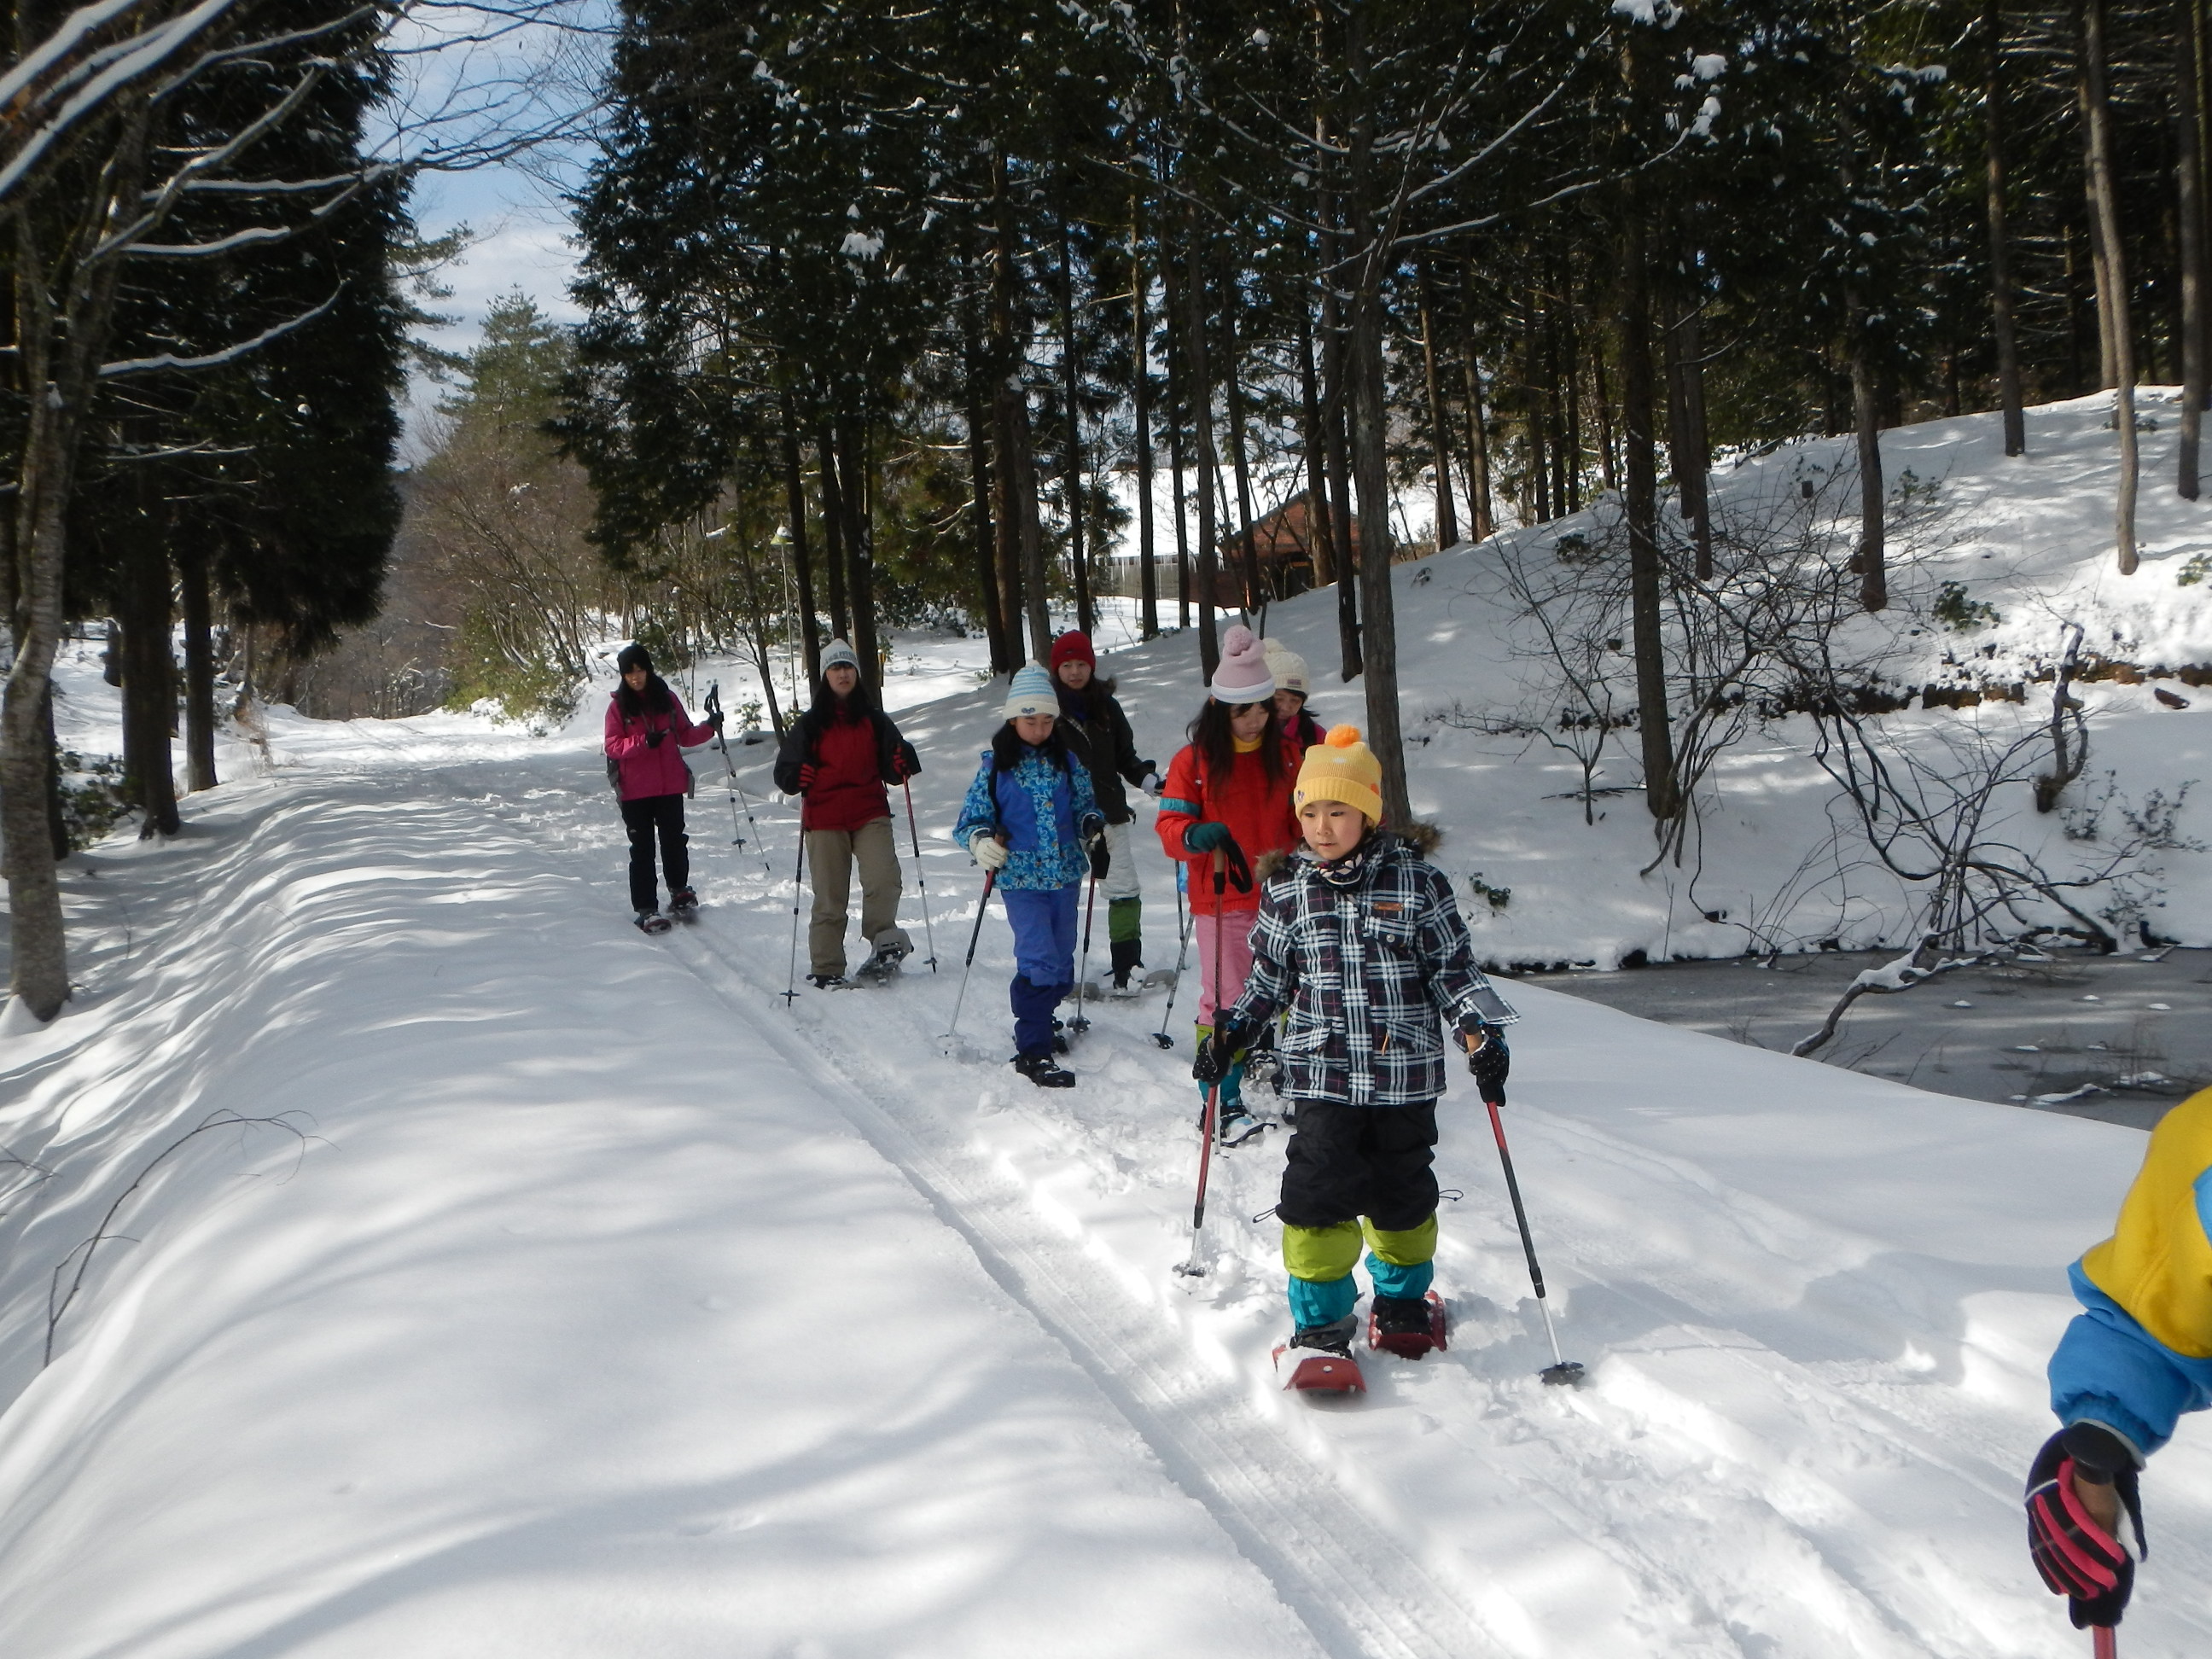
{"x": 829, "y": 981}
{"x": 651, "y": 922}
{"x": 682, "y": 903}
{"x": 892, "y": 947}
{"x": 1128, "y": 956}
{"x": 1317, "y": 1360}
{"x": 1044, "y": 1071}
{"x": 1407, "y": 1326}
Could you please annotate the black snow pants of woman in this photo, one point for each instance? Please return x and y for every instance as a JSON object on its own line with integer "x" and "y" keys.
{"x": 644, "y": 817}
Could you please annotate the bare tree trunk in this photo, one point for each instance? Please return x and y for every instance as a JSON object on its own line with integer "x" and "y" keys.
{"x": 1378, "y": 633}
{"x": 1021, "y": 575}
{"x": 2001, "y": 284}
{"x": 857, "y": 476}
{"x": 1317, "y": 513}
{"x": 1256, "y": 592}
{"x": 1872, "y": 558}
{"x": 802, "y": 566}
{"x": 1439, "y": 427}
{"x": 1334, "y": 398}
{"x": 2189, "y": 141}
{"x": 200, "y": 657}
{"x": 1071, "y": 477}
{"x": 833, "y": 533}
{"x": 2113, "y": 266}
{"x": 1478, "y": 426}
{"x": 1570, "y": 378}
{"x": 1684, "y": 436}
{"x": 60, "y": 332}
{"x": 56, "y": 826}
{"x": 149, "y": 670}
{"x": 1641, "y": 502}
{"x": 1003, "y": 660}
{"x": 1140, "y": 381}
{"x": 1201, "y": 426}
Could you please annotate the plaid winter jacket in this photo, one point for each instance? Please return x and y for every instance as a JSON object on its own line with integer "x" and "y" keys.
{"x": 1367, "y": 954}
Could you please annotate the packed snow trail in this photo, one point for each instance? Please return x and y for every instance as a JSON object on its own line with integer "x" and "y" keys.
{"x": 580, "y": 1325}
{"x": 1816, "y": 1306}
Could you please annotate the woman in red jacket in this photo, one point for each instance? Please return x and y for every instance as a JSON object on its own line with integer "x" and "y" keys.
{"x": 839, "y": 755}
{"x": 1228, "y": 793}
{"x": 646, "y": 728}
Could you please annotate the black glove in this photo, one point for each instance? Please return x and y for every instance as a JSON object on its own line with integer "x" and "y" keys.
{"x": 714, "y": 719}
{"x": 1487, "y": 1056}
{"x": 1101, "y": 858}
{"x": 1219, "y": 1052}
{"x": 2077, "y": 1558}
{"x": 653, "y": 739}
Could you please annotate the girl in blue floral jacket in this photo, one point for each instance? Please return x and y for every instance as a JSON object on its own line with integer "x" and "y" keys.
{"x": 1031, "y": 817}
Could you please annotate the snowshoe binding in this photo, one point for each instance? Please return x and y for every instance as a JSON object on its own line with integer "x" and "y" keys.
{"x": 892, "y": 948}
{"x": 1236, "y": 1127}
{"x": 1408, "y": 1327}
{"x": 1044, "y": 1071}
{"x": 685, "y": 905}
{"x": 1317, "y": 1360}
{"x": 651, "y": 922}
{"x": 829, "y": 981}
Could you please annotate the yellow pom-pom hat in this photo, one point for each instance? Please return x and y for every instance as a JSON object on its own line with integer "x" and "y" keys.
{"x": 1342, "y": 768}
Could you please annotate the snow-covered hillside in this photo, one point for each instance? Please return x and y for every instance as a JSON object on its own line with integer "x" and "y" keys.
{"x": 587, "y": 1299}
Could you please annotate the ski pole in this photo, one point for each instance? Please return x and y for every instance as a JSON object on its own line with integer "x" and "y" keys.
{"x": 2106, "y": 1641}
{"x": 920, "y": 880}
{"x": 1561, "y": 1369}
{"x": 1188, "y": 925}
{"x": 737, "y": 789}
{"x": 1080, "y": 1024}
{"x": 1195, "y": 1268}
{"x": 1207, "y": 1119}
{"x": 798, "y": 869}
{"x": 990, "y": 878}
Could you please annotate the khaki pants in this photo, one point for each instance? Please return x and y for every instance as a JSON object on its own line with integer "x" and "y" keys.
{"x": 830, "y": 856}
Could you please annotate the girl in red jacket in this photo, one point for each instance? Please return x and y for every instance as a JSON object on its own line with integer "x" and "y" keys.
{"x": 1228, "y": 793}
{"x": 646, "y": 729}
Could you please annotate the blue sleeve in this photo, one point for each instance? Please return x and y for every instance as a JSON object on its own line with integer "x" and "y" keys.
{"x": 980, "y": 811}
{"x": 1085, "y": 798}
{"x": 2107, "y": 1369}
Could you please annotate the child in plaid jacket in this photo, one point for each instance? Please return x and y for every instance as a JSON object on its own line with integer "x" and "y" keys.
{"x": 1359, "y": 939}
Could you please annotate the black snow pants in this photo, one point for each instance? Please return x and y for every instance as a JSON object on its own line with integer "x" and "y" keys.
{"x": 1345, "y": 1162}
{"x": 644, "y": 817}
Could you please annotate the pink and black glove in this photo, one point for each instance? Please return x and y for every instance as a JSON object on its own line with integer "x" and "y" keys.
{"x": 805, "y": 778}
{"x": 2077, "y": 1558}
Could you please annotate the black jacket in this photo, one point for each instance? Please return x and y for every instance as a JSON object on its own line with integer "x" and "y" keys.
{"x": 798, "y": 750}
{"x": 1107, "y": 745}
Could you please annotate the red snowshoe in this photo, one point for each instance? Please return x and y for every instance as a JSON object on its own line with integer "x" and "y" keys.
{"x": 1402, "y": 1326}
{"x": 1318, "y": 1360}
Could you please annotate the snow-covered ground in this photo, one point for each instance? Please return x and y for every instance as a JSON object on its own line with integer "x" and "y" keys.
{"x": 578, "y": 1296}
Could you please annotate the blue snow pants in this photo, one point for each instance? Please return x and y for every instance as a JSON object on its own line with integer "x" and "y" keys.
{"x": 1044, "y": 960}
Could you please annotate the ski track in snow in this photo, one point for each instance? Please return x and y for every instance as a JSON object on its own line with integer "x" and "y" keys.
{"x": 1462, "y": 1501}
{"x": 1805, "y": 1419}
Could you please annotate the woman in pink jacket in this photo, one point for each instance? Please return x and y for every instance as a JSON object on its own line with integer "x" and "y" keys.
{"x": 646, "y": 729}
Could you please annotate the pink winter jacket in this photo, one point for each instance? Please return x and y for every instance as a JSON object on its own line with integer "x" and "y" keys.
{"x": 646, "y": 770}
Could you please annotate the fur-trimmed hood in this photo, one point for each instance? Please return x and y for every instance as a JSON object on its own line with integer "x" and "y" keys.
{"x": 1421, "y": 838}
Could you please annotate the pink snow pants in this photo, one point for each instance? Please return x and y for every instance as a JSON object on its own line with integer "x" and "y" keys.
{"x": 1235, "y": 931}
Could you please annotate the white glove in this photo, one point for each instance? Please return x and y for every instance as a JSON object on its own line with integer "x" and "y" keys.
{"x": 1150, "y": 786}
{"x": 990, "y": 851}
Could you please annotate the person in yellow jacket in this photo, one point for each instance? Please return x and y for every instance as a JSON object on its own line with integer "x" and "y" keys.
{"x": 2136, "y": 1358}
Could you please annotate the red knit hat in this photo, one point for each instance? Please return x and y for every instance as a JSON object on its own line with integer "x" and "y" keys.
{"x": 1073, "y": 645}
